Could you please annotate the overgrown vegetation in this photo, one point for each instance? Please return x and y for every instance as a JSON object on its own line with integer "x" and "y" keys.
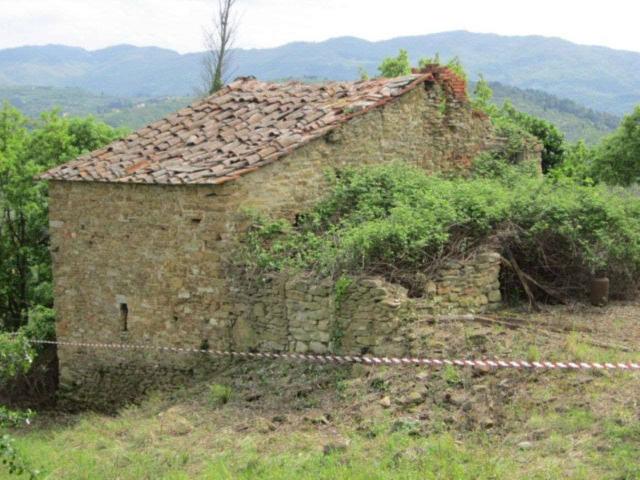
{"x": 617, "y": 159}
{"x": 300, "y": 420}
{"x": 398, "y": 221}
{"x": 511, "y": 125}
{"x": 26, "y": 149}
{"x": 614, "y": 161}
{"x": 401, "y": 65}
{"x": 16, "y": 357}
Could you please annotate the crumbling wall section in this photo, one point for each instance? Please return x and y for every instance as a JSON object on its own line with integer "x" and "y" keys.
{"x": 303, "y": 313}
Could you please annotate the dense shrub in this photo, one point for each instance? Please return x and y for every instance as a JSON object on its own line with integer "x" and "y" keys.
{"x": 396, "y": 66}
{"x": 548, "y": 134}
{"x": 568, "y": 232}
{"x": 28, "y": 148}
{"x": 617, "y": 159}
{"x": 577, "y": 164}
{"x": 16, "y": 356}
{"x": 398, "y": 221}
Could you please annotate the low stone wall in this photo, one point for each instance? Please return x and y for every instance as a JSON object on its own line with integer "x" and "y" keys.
{"x": 298, "y": 313}
{"x": 302, "y": 313}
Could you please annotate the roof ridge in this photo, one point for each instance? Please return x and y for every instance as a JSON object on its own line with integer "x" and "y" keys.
{"x": 246, "y": 124}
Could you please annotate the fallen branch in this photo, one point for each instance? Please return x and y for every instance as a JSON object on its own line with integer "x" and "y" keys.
{"x": 521, "y": 276}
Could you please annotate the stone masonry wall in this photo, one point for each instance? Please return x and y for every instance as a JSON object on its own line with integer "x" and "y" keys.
{"x": 302, "y": 313}
{"x": 146, "y": 263}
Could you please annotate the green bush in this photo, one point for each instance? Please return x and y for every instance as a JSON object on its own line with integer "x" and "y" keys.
{"x": 617, "y": 158}
{"x": 548, "y": 134}
{"x": 577, "y": 164}
{"x": 41, "y": 323}
{"x": 396, "y": 66}
{"x": 397, "y": 221}
{"x": 219, "y": 394}
{"x": 569, "y": 232}
{"x": 16, "y": 357}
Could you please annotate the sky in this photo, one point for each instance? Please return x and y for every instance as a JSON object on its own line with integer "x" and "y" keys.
{"x": 179, "y": 24}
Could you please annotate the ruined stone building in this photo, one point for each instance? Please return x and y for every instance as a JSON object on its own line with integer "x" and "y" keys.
{"x": 140, "y": 229}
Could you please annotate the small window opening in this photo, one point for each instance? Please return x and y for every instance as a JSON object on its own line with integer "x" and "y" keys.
{"x": 196, "y": 221}
{"x": 124, "y": 314}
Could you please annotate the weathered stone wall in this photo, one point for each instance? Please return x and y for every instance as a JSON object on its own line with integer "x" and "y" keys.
{"x": 161, "y": 250}
{"x": 305, "y": 314}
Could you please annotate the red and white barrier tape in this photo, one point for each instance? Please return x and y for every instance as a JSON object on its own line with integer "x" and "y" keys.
{"x": 364, "y": 359}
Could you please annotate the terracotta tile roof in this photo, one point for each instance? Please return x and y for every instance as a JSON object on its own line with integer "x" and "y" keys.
{"x": 246, "y": 125}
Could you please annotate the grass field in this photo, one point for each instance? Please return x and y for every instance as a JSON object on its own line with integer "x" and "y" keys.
{"x": 290, "y": 421}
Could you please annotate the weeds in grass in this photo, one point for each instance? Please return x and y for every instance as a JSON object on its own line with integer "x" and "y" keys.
{"x": 219, "y": 394}
{"x": 451, "y": 375}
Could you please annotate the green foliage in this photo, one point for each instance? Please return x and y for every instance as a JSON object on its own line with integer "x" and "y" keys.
{"x": 16, "y": 357}
{"x": 375, "y": 217}
{"x": 454, "y": 64}
{"x": 396, "y": 220}
{"x": 617, "y": 159}
{"x": 363, "y": 74}
{"x": 514, "y": 126}
{"x": 601, "y": 227}
{"x": 482, "y": 95}
{"x": 340, "y": 289}
{"x": 40, "y": 324}
{"x": 396, "y": 66}
{"x": 451, "y": 375}
{"x": 514, "y": 136}
{"x": 575, "y": 121}
{"x": 220, "y": 394}
{"x": 494, "y": 165}
{"x": 27, "y": 149}
{"x": 552, "y": 139}
{"x": 426, "y": 61}
{"x": 577, "y": 164}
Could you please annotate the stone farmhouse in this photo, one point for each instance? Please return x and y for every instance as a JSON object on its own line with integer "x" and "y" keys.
{"x": 141, "y": 229}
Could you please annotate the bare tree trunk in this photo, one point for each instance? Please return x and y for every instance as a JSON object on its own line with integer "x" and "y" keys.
{"x": 219, "y": 42}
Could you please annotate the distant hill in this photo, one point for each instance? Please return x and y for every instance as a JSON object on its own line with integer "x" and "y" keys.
{"x": 129, "y": 112}
{"x": 599, "y": 78}
{"x": 134, "y": 112}
{"x": 576, "y": 121}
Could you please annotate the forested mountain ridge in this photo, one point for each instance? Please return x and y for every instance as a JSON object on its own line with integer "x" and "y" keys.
{"x": 576, "y": 121}
{"x": 600, "y": 78}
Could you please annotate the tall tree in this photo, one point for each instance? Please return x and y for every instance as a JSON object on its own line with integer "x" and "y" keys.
{"x": 28, "y": 148}
{"x": 219, "y": 42}
{"x": 617, "y": 159}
